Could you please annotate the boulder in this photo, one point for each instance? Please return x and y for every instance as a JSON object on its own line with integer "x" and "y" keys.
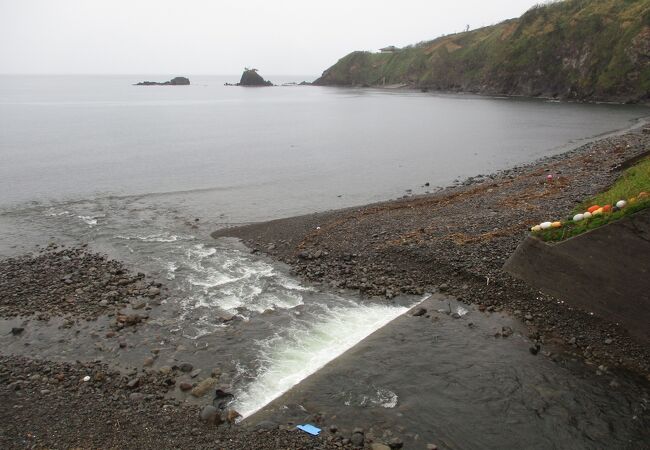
{"x": 179, "y": 81}
{"x": 209, "y": 414}
{"x": 203, "y": 387}
{"x": 250, "y": 77}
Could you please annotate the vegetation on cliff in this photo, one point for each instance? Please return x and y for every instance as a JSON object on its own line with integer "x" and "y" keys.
{"x": 576, "y": 49}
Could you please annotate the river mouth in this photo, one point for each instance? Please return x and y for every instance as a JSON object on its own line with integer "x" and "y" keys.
{"x": 292, "y": 352}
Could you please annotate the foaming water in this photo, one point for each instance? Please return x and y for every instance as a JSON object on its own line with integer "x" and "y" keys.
{"x": 158, "y": 237}
{"x": 306, "y": 346}
{"x": 227, "y": 280}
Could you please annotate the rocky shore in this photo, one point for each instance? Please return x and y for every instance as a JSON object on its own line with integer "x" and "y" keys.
{"x": 88, "y": 405}
{"x": 60, "y": 282}
{"x": 453, "y": 241}
{"x": 456, "y": 241}
{"x": 54, "y": 404}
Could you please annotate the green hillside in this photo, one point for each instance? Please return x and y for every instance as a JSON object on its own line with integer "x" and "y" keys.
{"x": 574, "y": 49}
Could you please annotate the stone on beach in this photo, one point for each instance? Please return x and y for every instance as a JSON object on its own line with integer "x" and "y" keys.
{"x": 419, "y": 312}
{"x": 203, "y": 387}
{"x": 209, "y": 414}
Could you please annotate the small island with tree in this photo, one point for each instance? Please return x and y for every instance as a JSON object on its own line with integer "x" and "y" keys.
{"x": 250, "y": 77}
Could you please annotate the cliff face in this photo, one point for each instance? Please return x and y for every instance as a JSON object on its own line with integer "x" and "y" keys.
{"x": 574, "y": 49}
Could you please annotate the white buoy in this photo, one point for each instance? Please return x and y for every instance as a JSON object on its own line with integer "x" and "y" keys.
{"x": 621, "y": 204}
{"x": 586, "y": 215}
{"x": 536, "y": 228}
{"x": 545, "y": 225}
{"x": 87, "y": 378}
{"x": 578, "y": 217}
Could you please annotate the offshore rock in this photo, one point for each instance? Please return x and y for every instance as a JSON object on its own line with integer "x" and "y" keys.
{"x": 250, "y": 77}
{"x": 177, "y": 81}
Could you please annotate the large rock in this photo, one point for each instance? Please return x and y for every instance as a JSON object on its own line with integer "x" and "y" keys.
{"x": 177, "y": 81}
{"x": 203, "y": 387}
{"x": 250, "y": 77}
{"x": 209, "y": 414}
{"x": 180, "y": 81}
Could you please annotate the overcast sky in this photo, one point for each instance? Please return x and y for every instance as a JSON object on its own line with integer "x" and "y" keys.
{"x": 177, "y": 37}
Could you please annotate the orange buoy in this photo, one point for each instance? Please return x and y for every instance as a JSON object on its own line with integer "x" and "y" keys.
{"x": 556, "y": 224}
{"x": 642, "y": 195}
{"x": 607, "y": 208}
{"x": 593, "y": 208}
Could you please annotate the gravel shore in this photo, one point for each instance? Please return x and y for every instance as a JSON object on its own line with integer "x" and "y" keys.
{"x": 456, "y": 241}
{"x": 48, "y": 404}
{"x": 60, "y": 282}
{"x": 51, "y": 405}
{"x": 453, "y": 241}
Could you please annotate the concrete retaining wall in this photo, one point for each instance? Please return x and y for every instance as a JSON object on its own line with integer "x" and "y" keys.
{"x": 605, "y": 271}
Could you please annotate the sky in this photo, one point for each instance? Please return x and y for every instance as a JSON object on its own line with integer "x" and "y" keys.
{"x": 196, "y": 37}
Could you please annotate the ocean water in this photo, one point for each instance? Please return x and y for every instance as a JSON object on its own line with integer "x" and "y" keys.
{"x": 256, "y": 153}
{"x": 144, "y": 174}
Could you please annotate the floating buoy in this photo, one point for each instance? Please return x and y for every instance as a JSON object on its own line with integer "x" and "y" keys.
{"x": 607, "y": 208}
{"x": 632, "y": 200}
{"x": 642, "y": 195}
{"x": 597, "y": 212}
{"x": 545, "y": 225}
{"x": 549, "y": 177}
{"x": 578, "y": 217}
{"x": 593, "y": 208}
{"x": 536, "y": 228}
{"x": 586, "y": 215}
{"x": 556, "y": 224}
{"x": 621, "y": 204}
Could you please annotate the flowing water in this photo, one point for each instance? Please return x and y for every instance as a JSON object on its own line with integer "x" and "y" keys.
{"x": 144, "y": 174}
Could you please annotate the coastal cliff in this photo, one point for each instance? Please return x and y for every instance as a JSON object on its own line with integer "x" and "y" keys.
{"x": 595, "y": 50}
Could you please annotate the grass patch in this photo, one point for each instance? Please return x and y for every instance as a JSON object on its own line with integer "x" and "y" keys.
{"x": 634, "y": 180}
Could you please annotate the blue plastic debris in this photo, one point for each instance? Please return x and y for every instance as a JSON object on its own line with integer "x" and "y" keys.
{"x": 307, "y": 428}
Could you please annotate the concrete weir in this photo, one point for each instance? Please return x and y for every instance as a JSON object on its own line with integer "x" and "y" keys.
{"x": 605, "y": 271}
{"x": 460, "y": 379}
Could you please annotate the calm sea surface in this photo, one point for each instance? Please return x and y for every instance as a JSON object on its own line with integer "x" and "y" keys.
{"x": 265, "y": 152}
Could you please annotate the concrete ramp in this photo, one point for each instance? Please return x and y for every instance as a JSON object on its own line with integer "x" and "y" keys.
{"x": 605, "y": 271}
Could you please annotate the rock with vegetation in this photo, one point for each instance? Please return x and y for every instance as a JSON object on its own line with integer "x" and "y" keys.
{"x": 177, "y": 81}
{"x": 574, "y": 49}
{"x": 250, "y": 77}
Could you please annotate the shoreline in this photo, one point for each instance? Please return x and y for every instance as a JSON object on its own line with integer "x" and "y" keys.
{"x": 488, "y": 94}
{"x": 452, "y": 242}
{"x": 456, "y": 240}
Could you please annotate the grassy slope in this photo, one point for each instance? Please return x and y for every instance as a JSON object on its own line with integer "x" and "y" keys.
{"x": 634, "y": 181}
{"x": 588, "y": 49}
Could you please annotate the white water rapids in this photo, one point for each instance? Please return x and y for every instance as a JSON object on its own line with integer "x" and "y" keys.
{"x": 291, "y": 330}
{"x": 289, "y": 358}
